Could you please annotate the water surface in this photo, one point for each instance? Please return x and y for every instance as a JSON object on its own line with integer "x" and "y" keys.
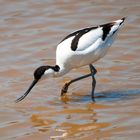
{"x": 29, "y": 33}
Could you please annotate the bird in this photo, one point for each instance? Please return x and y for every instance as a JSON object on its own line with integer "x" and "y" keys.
{"x": 80, "y": 48}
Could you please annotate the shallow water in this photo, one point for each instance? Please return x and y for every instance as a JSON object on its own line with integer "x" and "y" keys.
{"x": 29, "y": 33}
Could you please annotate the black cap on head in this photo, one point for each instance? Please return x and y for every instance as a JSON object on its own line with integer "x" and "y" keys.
{"x": 40, "y": 71}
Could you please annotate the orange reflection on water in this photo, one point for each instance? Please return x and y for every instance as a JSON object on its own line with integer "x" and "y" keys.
{"x": 68, "y": 129}
{"x": 72, "y": 129}
{"x": 41, "y": 124}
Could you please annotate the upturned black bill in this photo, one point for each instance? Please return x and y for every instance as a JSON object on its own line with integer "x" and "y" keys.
{"x": 27, "y": 92}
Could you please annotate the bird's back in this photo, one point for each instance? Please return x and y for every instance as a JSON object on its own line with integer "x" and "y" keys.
{"x": 87, "y": 45}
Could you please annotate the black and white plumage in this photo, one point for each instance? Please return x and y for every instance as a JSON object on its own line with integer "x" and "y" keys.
{"x": 80, "y": 48}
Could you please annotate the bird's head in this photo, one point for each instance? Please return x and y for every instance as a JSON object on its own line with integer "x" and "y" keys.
{"x": 39, "y": 74}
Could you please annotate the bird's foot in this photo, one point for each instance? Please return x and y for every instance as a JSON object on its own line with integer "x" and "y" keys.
{"x": 93, "y": 98}
{"x": 64, "y": 89}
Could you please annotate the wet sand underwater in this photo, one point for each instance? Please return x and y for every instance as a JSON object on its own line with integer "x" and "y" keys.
{"x": 29, "y": 33}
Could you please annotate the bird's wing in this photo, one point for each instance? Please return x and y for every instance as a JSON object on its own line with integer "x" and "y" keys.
{"x": 84, "y": 38}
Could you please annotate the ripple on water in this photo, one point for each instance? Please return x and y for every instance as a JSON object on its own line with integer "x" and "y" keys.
{"x": 30, "y": 31}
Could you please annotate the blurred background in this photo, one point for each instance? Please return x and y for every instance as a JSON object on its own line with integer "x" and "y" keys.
{"x": 30, "y": 31}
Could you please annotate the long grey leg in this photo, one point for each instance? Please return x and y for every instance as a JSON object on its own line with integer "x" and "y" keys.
{"x": 65, "y": 87}
{"x": 93, "y": 72}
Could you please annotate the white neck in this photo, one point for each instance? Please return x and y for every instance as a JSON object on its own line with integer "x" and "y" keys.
{"x": 61, "y": 72}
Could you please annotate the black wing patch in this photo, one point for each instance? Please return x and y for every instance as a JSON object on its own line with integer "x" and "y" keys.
{"x": 106, "y": 29}
{"x": 70, "y": 35}
{"x": 78, "y": 34}
{"x": 75, "y": 41}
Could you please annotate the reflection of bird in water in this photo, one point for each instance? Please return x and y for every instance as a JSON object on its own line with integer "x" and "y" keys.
{"x": 80, "y": 48}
